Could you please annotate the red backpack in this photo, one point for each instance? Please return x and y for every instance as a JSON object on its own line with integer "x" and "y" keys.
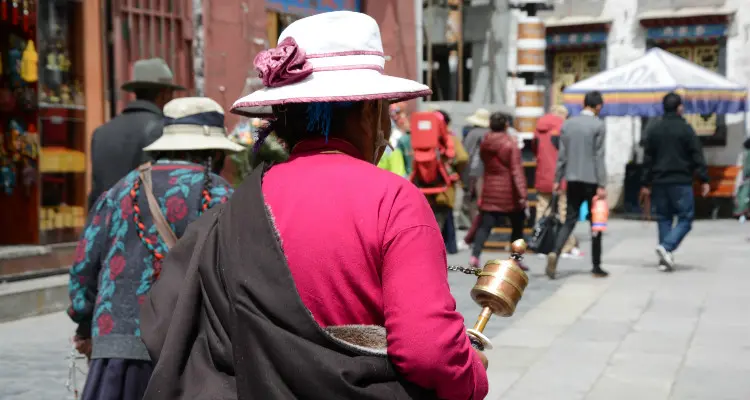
{"x": 430, "y": 141}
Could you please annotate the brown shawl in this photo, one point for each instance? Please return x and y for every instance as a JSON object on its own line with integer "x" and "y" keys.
{"x": 226, "y": 302}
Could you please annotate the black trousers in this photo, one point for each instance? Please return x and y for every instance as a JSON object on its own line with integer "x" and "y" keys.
{"x": 577, "y": 193}
{"x": 492, "y": 219}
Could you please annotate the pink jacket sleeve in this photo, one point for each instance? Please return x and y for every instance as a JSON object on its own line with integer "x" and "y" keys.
{"x": 427, "y": 339}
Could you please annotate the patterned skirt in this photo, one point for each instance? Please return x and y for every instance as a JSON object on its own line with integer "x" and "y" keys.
{"x": 117, "y": 379}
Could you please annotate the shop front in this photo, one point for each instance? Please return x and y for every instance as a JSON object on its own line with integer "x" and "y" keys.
{"x": 45, "y": 126}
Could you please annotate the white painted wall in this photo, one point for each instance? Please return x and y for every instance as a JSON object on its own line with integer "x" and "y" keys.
{"x": 627, "y": 41}
{"x": 490, "y": 55}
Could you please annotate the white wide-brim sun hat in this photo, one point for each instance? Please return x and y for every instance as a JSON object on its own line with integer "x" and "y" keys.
{"x": 343, "y": 60}
{"x": 193, "y": 123}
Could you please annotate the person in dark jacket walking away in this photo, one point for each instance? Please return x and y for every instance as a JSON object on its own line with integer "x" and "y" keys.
{"x": 580, "y": 162}
{"x": 117, "y": 146}
{"x": 672, "y": 156}
{"x": 504, "y": 194}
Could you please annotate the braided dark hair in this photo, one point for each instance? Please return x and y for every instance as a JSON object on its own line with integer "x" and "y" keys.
{"x": 293, "y": 123}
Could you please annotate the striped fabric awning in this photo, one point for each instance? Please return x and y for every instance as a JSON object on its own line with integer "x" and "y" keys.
{"x": 637, "y": 88}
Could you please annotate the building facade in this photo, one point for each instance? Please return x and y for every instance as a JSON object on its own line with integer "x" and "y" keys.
{"x": 466, "y": 43}
{"x": 585, "y": 37}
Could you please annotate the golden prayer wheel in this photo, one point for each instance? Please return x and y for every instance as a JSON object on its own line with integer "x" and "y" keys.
{"x": 498, "y": 290}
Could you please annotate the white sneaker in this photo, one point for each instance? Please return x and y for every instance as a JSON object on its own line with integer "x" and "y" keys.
{"x": 663, "y": 267}
{"x": 463, "y": 246}
{"x": 665, "y": 258}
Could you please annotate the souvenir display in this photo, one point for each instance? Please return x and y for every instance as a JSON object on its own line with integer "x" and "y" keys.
{"x": 26, "y": 98}
{"x": 61, "y": 160}
{"x": 65, "y": 97}
{"x": 61, "y": 217}
{"x": 30, "y": 153}
{"x": 14, "y": 62}
{"x": 26, "y": 15}
{"x": 8, "y": 176}
{"x": 7, "y": 170}
{"x": 7, "y": 100}
{"x": 42, "y": 131}
{"x": 29, "y": 64}
{"x": 78, "y": 94}
{"x": 16, "y": 13}
{"x": 15, "y": 142}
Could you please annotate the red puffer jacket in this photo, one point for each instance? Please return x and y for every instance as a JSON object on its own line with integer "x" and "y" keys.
{"x": 504, "y": 180}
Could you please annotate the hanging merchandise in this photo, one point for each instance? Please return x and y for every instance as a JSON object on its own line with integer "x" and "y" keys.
{"x": 63, "y": 62}
{"x": 7, "y": 100}
{"x": 7, "y": 168}
{"x": 16, "y": 15}
{"x": 26, "y": 16}
{"x": 27, "y": 98}
{"x": 78, "y": 94}
{"x": 52, "y": 77}
{"x": 8, "y": 176}
{"x": 14, "y": 62}
{"x": 30, "y": 143}
{"x": 29, "y": 60}
{"x": 16, "y": 141}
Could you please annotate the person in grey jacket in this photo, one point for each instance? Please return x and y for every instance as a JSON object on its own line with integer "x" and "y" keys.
{"x": 581, "y": 163}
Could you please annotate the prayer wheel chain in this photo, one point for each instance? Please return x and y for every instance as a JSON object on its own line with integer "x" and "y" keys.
{"x": 465, "y": 270}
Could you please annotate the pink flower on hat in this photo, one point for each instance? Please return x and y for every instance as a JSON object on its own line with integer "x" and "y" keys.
{"x": 283, "y": 65}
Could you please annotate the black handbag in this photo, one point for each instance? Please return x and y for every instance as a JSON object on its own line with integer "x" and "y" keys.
{"x": 545, "y": 230}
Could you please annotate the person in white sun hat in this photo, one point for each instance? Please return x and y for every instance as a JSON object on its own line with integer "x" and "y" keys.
{"x": 324, "y": 277}
{"x": 130, "y": 230}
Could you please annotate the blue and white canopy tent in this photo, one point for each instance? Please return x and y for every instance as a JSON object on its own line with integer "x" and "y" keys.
{"x": 637, "y": 88}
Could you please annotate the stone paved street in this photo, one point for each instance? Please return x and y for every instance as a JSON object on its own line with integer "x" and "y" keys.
{"x": 33, "y": 362}
{"x": 639, "y": 335}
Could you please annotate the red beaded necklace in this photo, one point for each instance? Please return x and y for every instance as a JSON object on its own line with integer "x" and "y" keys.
{"x": 140, "y": 228}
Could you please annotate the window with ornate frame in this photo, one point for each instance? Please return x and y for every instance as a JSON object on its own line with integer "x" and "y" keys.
{"x": 571, "y": 66}
{"x": 707, "y": 56}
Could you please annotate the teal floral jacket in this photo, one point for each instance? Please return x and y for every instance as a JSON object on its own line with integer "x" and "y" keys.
{"x": 114, "y": 268}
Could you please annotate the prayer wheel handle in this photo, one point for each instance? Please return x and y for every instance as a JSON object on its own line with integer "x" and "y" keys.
{"x": 498, "y": 290}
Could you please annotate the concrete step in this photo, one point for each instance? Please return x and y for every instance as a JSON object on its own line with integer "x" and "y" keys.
{"x": 32, "y": 297}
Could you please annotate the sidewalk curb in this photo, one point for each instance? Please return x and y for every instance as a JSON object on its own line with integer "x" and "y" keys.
{"x": 33, "y": 297}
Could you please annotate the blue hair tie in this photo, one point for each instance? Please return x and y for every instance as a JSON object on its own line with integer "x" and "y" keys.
{"x": 319, "y": 116}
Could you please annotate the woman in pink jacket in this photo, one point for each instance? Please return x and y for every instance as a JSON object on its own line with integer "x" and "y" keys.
{"x": 335, "y": 270}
